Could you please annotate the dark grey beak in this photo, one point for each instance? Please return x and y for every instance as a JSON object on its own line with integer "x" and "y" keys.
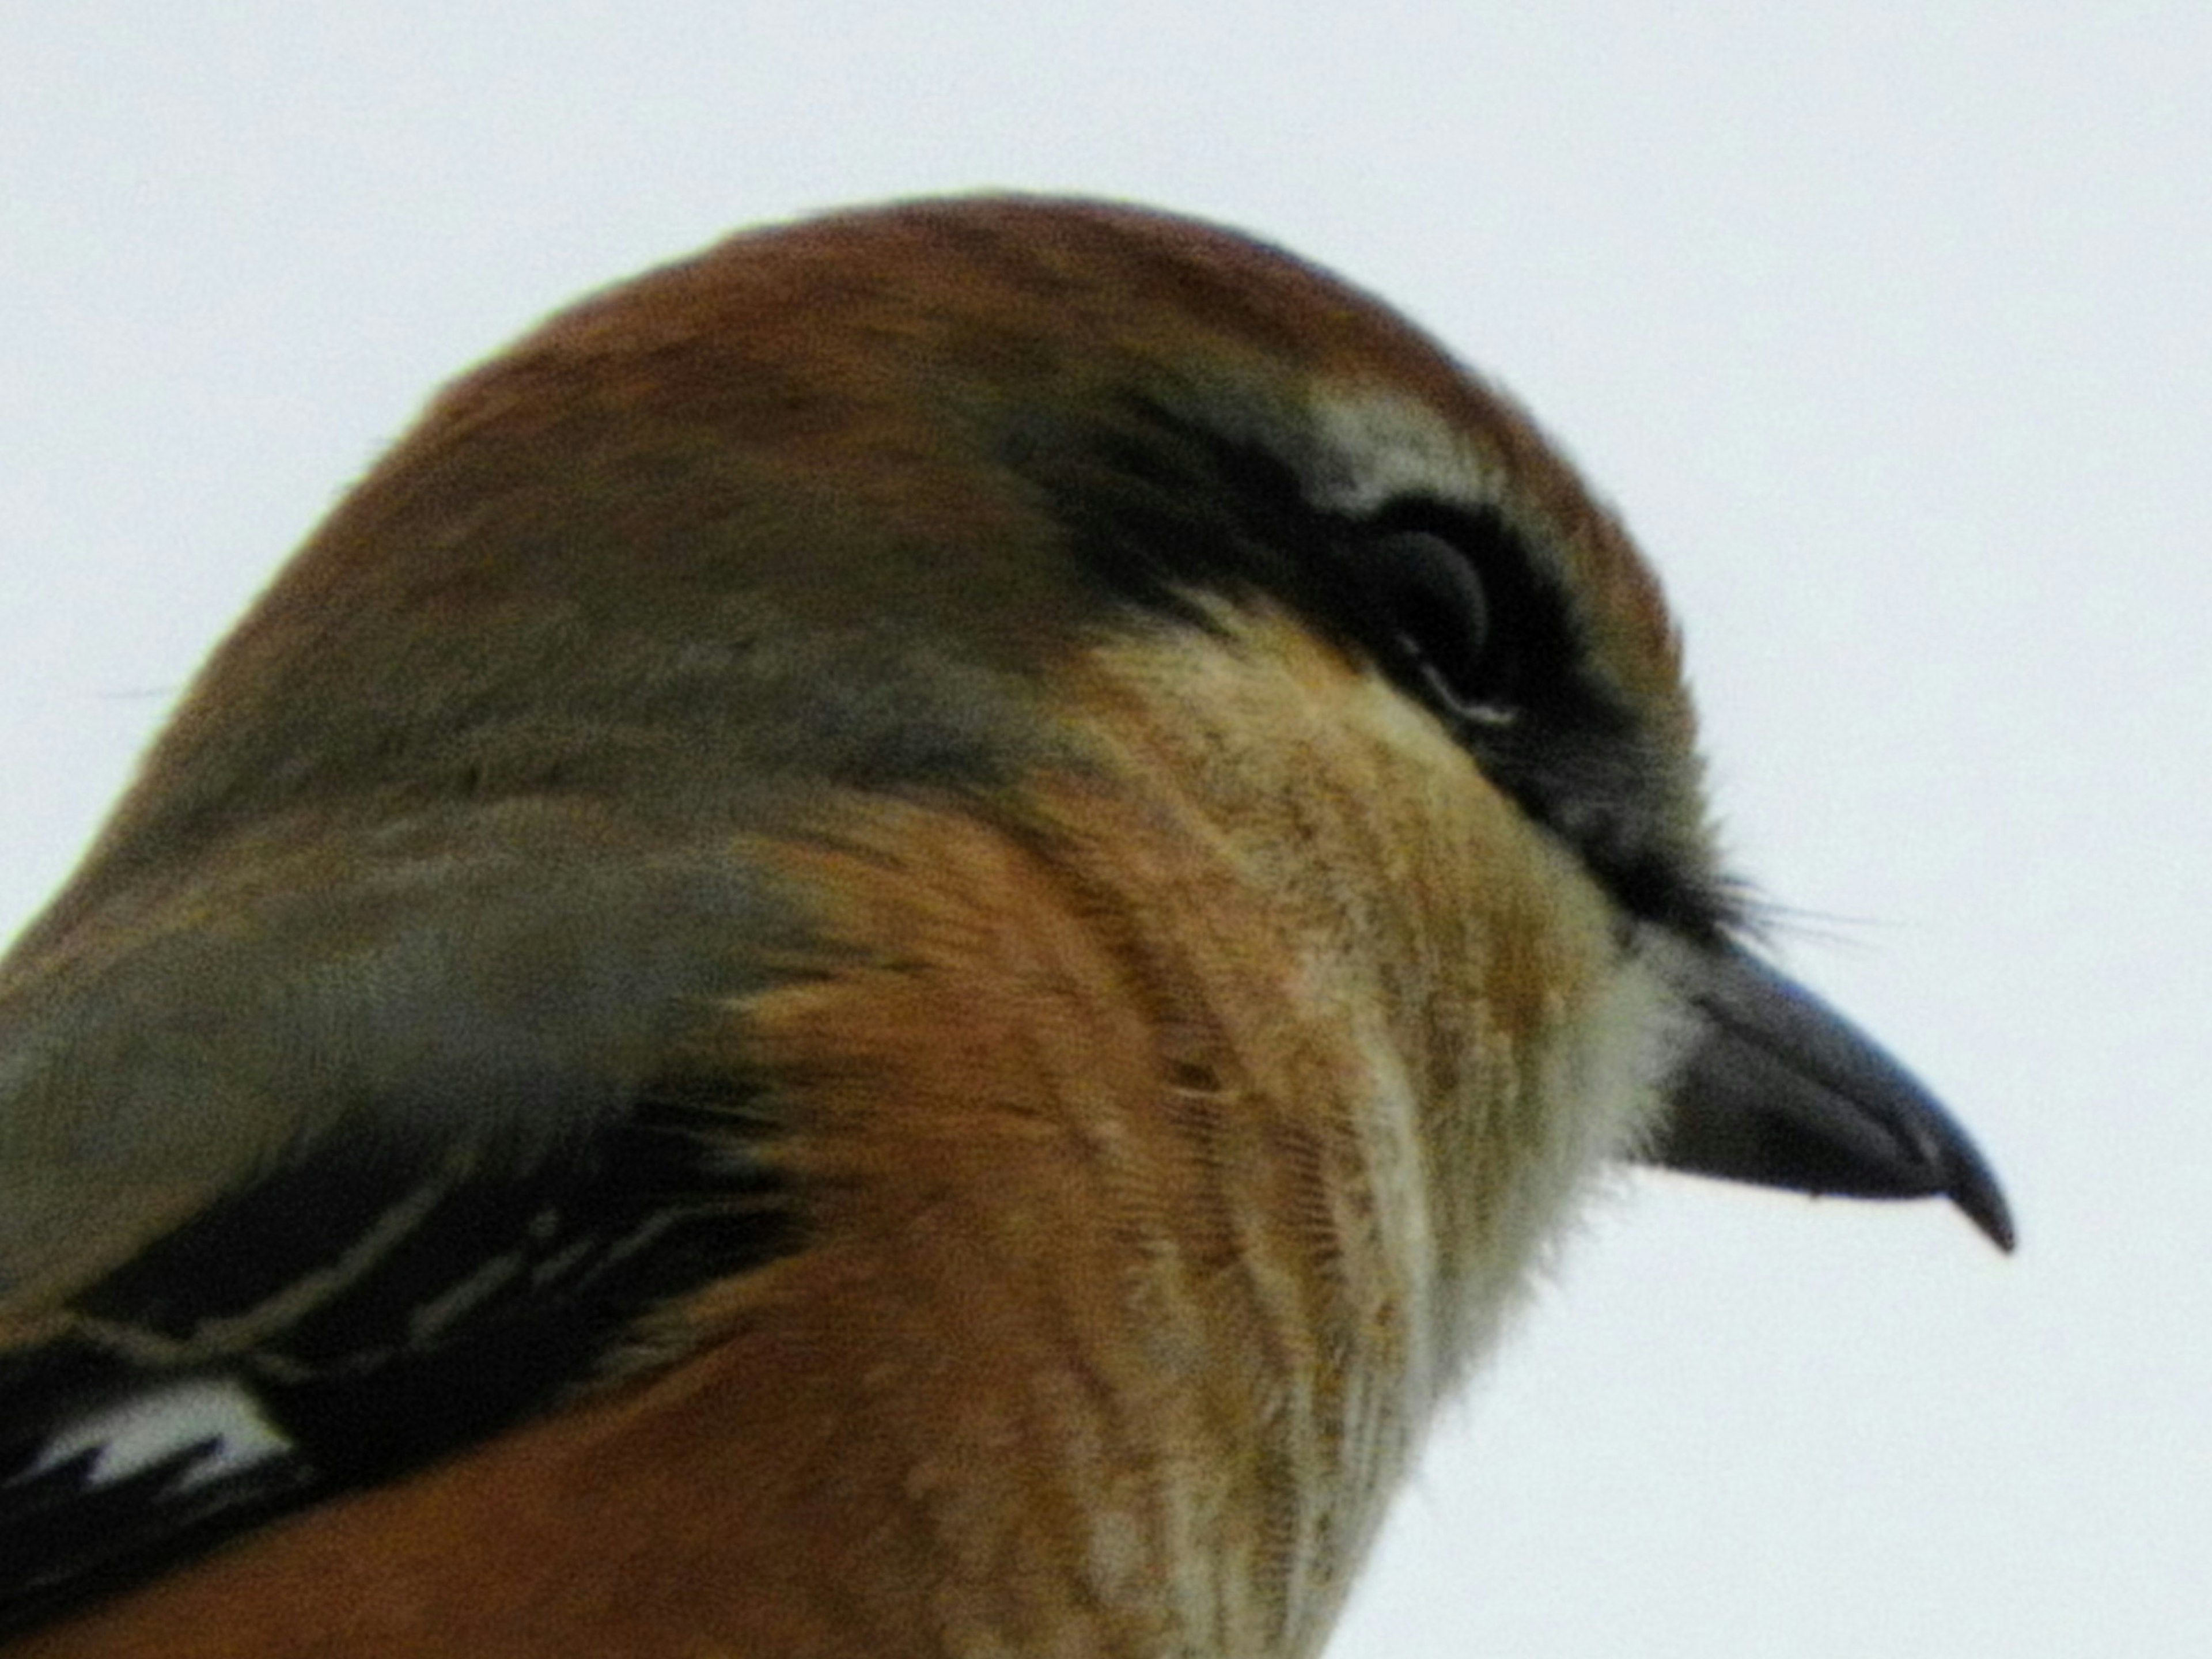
{"x": 1781, "y": 1090}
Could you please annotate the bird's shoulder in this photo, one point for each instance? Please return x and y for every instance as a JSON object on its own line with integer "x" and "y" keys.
{"x": 319, "y": 1172}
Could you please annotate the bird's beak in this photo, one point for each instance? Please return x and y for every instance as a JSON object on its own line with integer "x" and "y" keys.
{"x": 1780, "y": 1090}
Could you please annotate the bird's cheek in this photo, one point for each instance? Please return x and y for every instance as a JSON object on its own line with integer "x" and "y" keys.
{"x": 1535, "y": 1046}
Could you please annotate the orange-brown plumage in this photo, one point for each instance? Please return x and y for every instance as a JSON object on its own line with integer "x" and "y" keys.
{"x": 965, "y": 886}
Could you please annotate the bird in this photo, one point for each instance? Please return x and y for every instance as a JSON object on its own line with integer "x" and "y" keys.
{"x": 896, "y": 947}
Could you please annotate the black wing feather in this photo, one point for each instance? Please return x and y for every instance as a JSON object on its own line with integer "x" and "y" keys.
{"x": 398, "y": 1303}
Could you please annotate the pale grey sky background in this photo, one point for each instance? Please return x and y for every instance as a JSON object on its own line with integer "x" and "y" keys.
{"x": 1886, "y": 325}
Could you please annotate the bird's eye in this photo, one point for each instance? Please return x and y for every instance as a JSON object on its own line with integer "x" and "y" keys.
{"x": 1433, "y": 599}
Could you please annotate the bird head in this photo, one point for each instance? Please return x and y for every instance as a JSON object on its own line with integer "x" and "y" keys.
{"x": 859, "y": 502}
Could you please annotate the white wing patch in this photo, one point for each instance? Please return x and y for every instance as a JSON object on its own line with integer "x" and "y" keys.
{"x": 215, "y": 1417}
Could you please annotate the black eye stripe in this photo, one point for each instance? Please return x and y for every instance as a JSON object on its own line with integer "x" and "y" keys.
{"x": 1159, "y": 511}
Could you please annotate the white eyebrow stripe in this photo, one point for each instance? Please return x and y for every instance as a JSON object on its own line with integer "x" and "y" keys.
{"x": 1378, "y": 445}
{"x": 216, "y": 1413}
